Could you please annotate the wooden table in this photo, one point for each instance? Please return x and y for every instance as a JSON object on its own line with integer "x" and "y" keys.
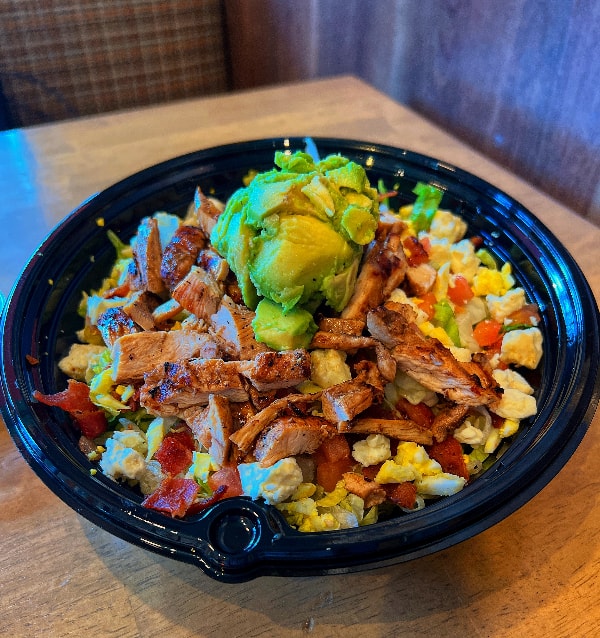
{"x": 534, "y": 574}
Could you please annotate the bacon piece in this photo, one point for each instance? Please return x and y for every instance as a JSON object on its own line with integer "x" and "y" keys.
{"x": 372, "y": 493}
{"x": 289, "y": 436}
{"x": 244, "y": 437}
{"x": 343, "y": 401}
{"x": 401, "y": 429}
{"x": 383, "y": 270}
{"x": 75, "y": 400}
{"x": 147, "y": 257}
{"x": 402, "y": 494}
{"x": 174, "y": 496}
{"x": 114, "y": 323}
{"x": 173, "y": 386}
{"x": 140, "y": 306}
{"x": 232, "y": 324}
{"x": 449, "y": 454}
{"x": 227, "y": 481}
{"x": 429, "y": 362}
{"x": 198, "y": 293}
{"x": 134, "y": 355}
{"x": 275, "y": 370}
{"x": 207, "y": 212}
{"x": 180, "y": 254}
{"x": 212, "y": 426}
{"x": 173, "y": 455}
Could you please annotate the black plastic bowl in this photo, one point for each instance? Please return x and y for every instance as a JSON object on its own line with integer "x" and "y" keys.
{"x": 238, "y": 539}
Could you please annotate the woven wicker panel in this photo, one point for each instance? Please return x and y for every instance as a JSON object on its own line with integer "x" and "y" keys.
{"x": 65, "y": 58}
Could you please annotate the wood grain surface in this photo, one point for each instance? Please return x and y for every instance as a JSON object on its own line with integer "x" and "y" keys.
{"x": 533, "y": 574}
{"x": 515, "y": 79}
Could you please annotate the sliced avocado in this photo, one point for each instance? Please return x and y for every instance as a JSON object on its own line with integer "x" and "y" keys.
{"x": 280, "y": 331}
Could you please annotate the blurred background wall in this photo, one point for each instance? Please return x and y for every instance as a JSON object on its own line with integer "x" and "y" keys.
{"x": 66, "y": 58}
{"x": 517, "y": 79}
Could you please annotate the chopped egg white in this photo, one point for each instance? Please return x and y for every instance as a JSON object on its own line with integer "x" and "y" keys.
{"x": 329, "y": 367}
{"x": 463, "y": 259}
{"x": 119, "y": 461}
{"x": 372, "y": 450}
{"x": 504, "y": 305}
{"x": 516, "y": 405}
{"x": 274, "y": 484}
{"x": 522, "y": 347}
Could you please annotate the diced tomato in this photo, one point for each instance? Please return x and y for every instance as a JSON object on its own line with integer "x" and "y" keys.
{"x": 173, "y": 496}
{"x": 329, "y": 473}
{"x": 528, "y": 315}
{"x": 459, "y": 291}
{"x": 75, "y": 400}
{"x": 427, "y": 303}
{"x": 333, "y": 449}
{"x": 426, "y": 243}
{"x": 487, "y": 332}
{"x": 420, "y": 413}
{"x": 229, "y": 477}
{"x": 477, "y": 241}
{"x": 402, "y": 494}
{"x": 416, "y": 253}
{"x": 449, "y": 454}
{"x": 174, "y": 457}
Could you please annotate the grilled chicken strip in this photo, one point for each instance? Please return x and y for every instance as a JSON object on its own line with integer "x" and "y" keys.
{"x": 343, "y": 401}
{"x": 207, "y": 212}
{"x": 211, "y": 262}
{"x": 170, "y": 388}
{"x": 338, "y": 325}
{"x": 212, "y": 426}
{"x": 429, "y": 362}
{"x": 199, "y": 293}
{"x": 232, "y": 324}
{"x": 447, "y": 420}
{"x": 134, "y": 355}
{"x": 113, "y": 323}
{"x": 289, "y": 436}
{"x": 244, "y": 437}
{"x": 277, "y": 370}
{"x": 180, "y": 254}
{"x": 147, "y": 258}
{"x": 140, "y": 306}
{"x": 382, "y": 271}
{"x": 345, "y": 342}
{"x": 421, "y": 278}
{"x": 401, "y": 429}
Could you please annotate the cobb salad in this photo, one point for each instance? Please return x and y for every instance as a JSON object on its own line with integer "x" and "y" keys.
{"x": 309, "y": 343}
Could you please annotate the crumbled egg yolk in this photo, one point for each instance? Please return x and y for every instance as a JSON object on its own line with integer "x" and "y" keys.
{"x": 493, "y": 282}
